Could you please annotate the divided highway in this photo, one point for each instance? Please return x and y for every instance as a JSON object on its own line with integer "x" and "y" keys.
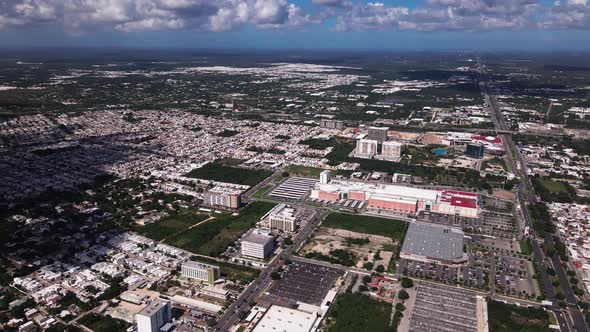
{"x": 526, "y": 194}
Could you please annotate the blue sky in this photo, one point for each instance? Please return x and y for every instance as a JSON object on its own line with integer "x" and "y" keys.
{"x": 313, "y": 24}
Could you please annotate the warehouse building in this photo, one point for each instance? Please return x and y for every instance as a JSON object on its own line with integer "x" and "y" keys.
{"x": 431, "y": 243}
{"x": 278, "y": 318}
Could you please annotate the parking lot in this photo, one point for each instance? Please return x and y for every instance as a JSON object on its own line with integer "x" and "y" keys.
{"x": 303, "y": 282}
{"x": 294, "y": 188}
{"x": 443, "y": 308}
{"x": 343, "y": 203}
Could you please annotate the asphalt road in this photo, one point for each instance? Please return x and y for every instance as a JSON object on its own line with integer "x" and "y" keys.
{"x": 253, "y": 291}
{"x": 540, "y": 257}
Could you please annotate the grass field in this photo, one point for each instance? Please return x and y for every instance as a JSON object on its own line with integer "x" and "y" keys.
{"x": 355, "y": 312}
{"x": 238, "y": 273}
{"x": 366, "y": 224}
{"x": 262, "y": 191}
{"x": 213, "y": 237}
{"x": 553, "y": 186}
{"x": 171, "y": 225}
{"x": 219, "y": 172}
{"x": 304, "y": 171}
{"x": 510, "y": 318}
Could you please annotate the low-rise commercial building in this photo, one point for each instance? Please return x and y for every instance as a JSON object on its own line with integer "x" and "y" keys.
{"x": 200, "y": 271}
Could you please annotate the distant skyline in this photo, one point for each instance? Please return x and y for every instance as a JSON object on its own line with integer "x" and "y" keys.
{"x": 313, "y": 24}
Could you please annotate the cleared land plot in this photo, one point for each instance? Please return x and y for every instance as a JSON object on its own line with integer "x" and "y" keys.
{"x": 219, "y": 172}
{"x": 294, "y": 188}
{"x": 213, "y": 237}
{"x": 326, "y": 240}
{"x": 171, "y": 225}
{"x": 443, "y": 308}
{"x": 304, "y": 282}
{"x": 504, "y": 317}
{"x": 366, "y": 224}
{"x": 356, "y": 312}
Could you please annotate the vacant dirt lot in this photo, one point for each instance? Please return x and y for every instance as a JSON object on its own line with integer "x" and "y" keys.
{"x": 328, "y": 239}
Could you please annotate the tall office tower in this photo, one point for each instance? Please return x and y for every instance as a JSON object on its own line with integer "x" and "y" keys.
{"x": 154, "y": 316}
{"x": 325, "y": 177}
{"x": 378, "y": 134}
{"x": 391, "y": 150}
{"x": 365, "y": 148}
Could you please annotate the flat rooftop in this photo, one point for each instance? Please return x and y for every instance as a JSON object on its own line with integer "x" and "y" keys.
{"x": 257, "y": 238}
{"x": 433, "y": 241}
{"x": 199, "y": 265}
{"x": 278, "y": 318}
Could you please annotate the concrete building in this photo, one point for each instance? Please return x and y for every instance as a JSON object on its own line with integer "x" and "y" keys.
{"x": 378, "y": 134}
{"x": 391, "y": 150}
{"x": 223, "y": 197}
{"x": 325, "y": 177}
{"x": 365, "y": 148}
{"x": 214, "y": 292}
{"x": 331, "y": 124}
{"x": 154, "y": 316}
{"x": 200, "y": 271}
{"x": 282, "y": 217}
{"x": 278, "y": 318}
{"x": 257, "y": 245}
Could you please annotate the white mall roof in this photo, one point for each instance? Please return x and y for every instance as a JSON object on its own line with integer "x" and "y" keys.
{"x": 280, "y": 319}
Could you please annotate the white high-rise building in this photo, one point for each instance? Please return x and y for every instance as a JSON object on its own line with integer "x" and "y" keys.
{"x": 257, "y": 245}
{"x": 154, "y": 316}
{"x": 365, "y": 148}
{"x": 391, "y": 150}
{"x": 325, "y": 177}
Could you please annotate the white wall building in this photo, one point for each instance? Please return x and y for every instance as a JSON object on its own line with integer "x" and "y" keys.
{"x": 154, "y": 316}
{"x": 257, "y": 245}
{"x": 200, "y": 271}
{"x": 392, "y": 150}
{"x": 282, "y": 217}
{"x": 365, "y": 148}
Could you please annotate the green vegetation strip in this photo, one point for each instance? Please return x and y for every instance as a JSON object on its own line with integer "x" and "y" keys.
{"x": 356, "y": 312}
{"x": 213, "y": 237}
{"x": 504, "y": 317}
{"x": 219, "y": 172}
